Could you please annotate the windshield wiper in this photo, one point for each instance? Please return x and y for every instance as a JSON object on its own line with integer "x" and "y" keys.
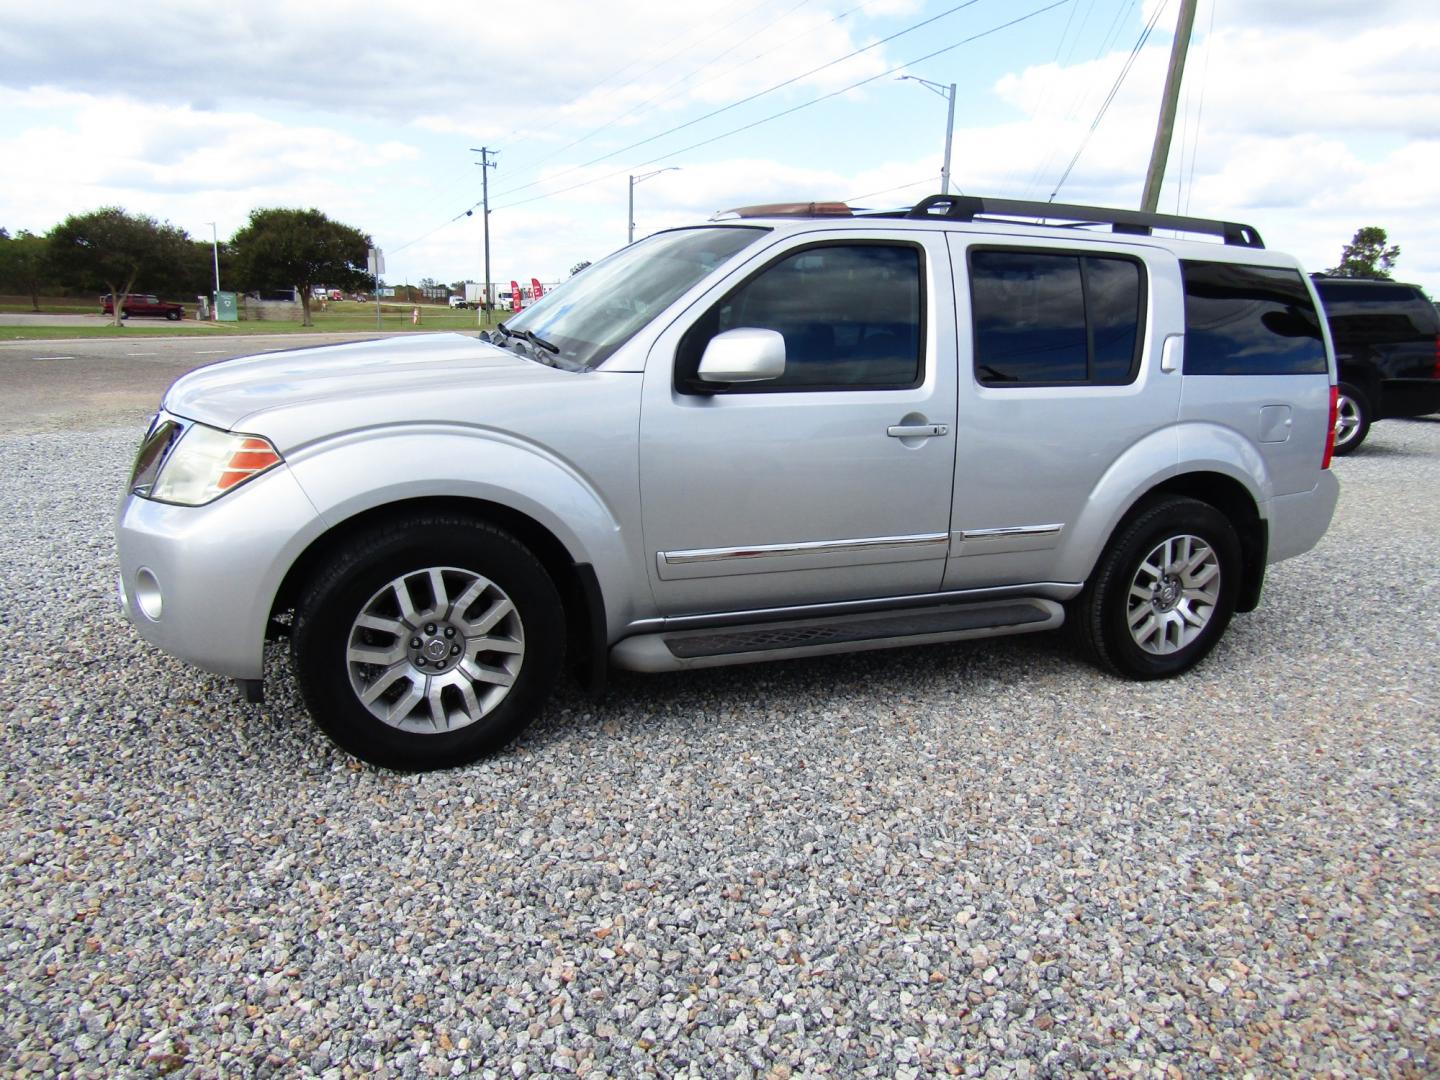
{"x": 534, "y": 339}
{"x": 535, "y": 343}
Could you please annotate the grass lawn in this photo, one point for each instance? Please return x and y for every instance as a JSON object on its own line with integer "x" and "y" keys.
{"x": 348, "y": 318}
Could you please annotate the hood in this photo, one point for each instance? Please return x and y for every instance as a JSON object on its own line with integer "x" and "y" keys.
{"x": 326, "y": 378}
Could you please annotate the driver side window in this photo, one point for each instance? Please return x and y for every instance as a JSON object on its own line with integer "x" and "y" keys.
{"x": 850, "y": 314}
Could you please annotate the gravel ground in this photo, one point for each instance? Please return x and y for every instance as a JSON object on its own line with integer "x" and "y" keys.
{"x": 983, "y": 859}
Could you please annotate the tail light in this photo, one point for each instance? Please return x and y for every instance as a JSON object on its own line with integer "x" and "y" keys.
{"x": 1334, "y": 419}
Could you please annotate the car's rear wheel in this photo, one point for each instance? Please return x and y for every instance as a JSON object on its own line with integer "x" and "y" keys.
{"x": 173, "y": 316}
{"x": 1352, "y": 418}
{"x": 1163, "y": 592}
{"x": 428, "y": 642}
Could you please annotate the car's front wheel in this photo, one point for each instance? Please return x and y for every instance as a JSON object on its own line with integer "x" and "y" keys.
{"x": 428, "y": 643}
{"x": 1352, "y": 418}
{"x": 1163, "y": 592}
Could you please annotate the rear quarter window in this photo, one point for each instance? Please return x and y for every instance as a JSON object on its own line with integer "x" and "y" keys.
{"x": 1249, "y": 320}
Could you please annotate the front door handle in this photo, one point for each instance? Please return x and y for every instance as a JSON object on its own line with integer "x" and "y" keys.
{"x": 916, "y": 431}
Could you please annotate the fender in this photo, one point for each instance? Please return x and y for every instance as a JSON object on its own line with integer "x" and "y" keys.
{"x": 370, "y": 468}
{"x": 1197, "y": 448}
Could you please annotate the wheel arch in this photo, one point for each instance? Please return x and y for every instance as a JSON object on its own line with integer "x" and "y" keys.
{"x": 576, "y": 581}
{"x": 1232, "y": 499}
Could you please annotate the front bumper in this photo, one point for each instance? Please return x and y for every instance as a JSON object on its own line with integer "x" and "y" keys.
{"x": 215, "y": 569}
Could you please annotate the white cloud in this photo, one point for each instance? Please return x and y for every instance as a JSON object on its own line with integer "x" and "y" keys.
{"x": 425, "y": 61}
{"x": 177, "y": 163}
{"x": 1319, "y": 116}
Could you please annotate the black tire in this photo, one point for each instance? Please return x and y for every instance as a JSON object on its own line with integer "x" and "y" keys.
{"x": 354, "y": 582}
{"x": 124, "y": 313}
{"x": 1352, "y": 420}
{"x": 173, "y": 316}
{"x": 1101, "y": 617}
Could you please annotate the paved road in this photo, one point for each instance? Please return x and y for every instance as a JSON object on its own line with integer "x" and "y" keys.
{"x": 86, "y": 382}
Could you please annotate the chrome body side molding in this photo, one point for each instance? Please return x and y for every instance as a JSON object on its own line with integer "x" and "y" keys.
{"x": 808, "y": 555}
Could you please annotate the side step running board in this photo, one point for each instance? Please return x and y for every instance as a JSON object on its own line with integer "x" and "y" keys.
{"x": 719, "y": 646}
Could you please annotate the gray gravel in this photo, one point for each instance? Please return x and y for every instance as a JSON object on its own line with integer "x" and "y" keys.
{"x": 982, "y": 860}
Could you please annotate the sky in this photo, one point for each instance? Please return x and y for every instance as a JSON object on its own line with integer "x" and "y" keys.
{"x": 1307, "y": 119}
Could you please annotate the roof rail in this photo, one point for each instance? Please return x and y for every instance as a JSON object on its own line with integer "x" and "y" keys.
{"x": 1137, "y": 222}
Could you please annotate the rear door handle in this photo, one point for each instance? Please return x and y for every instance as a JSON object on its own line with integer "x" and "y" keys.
{"x": 916, "y": 431}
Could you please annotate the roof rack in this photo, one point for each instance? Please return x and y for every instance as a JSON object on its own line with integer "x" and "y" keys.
{"x": 1135, "y": 222}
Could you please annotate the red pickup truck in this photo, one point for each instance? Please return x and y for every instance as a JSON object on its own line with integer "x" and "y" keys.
{"x": 142, "y": 304}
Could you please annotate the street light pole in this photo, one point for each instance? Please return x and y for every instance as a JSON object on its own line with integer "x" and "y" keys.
{"x": 947, "y": 92}
{"x": 630, "y": 217}
{"x": 215, "y": 250}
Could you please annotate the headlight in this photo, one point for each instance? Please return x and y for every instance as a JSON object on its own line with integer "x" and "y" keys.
{"x": 195, "y": 464}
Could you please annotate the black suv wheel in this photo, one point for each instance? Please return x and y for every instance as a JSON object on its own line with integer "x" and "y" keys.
{"x": 1352, "y": 418}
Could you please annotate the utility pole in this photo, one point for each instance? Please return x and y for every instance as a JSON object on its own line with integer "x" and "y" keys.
{"x": 1160, "y": 153}
{"x": 485, "y": 166}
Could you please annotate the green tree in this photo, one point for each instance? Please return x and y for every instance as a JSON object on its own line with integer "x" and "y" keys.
{"x": 299, "y": 249}
{"x": 24, "y": 264}
{"x": 1366, "y": 256}
{"x": 110, "y": 249}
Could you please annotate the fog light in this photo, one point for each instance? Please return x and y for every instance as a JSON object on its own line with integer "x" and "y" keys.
{"x": 147, "y": 595}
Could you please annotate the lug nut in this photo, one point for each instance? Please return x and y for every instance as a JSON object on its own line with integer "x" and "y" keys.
{"x": 414, "y": 642}
{"x": 430, "y": 628}
{"x": 454, "y": 650}
{"x": 419, "y": 661}
{"x": 449, "y": 631}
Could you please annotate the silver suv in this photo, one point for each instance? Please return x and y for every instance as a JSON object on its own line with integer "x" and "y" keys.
{"x": 795, "y": 430}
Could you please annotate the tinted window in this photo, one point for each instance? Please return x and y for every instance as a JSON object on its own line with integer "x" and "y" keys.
{"x": 1373, "y": 312}
{"x": 1249, "y": 320}
{"x": 1376, "y": 292}
{"x": 1045, "y": 317}
{"x": 849, "y": 313}
{"x": 1112, "y": 298}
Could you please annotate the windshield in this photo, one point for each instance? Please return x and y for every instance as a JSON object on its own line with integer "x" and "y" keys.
{"x": 603, "y": 306}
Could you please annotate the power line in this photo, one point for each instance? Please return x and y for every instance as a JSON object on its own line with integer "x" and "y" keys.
{"x": 1114, "y": 90}
{"x": 752, "y": 97}
{"x": 641, "y": 107}
{"x": 1200, "y": 110}
{"x": 794, "y": 109}
{"x": 887, "y": 191}
{"x": 704, "y": 32}
{"x": 1080, "y": 102}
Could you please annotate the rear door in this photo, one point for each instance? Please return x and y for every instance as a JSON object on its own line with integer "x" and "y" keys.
{"x": 1060, "y": 374}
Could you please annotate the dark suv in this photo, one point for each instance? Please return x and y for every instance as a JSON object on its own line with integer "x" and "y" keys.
{"x": 1387, "y": 346}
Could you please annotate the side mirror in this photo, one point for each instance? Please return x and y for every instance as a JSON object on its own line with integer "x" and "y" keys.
{"x": 745, "y": 354}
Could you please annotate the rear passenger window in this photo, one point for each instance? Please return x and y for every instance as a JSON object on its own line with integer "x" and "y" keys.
{"x": 1249, "y": 320}
{"x": 1043, "y": 318}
